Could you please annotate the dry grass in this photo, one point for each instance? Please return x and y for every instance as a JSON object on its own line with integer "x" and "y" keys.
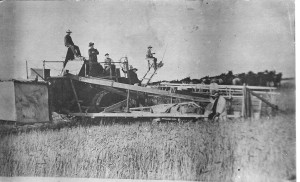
{"x": 261, "y": 150}
{"x": 144, "y": 151}
{"x": 187, "y": 151}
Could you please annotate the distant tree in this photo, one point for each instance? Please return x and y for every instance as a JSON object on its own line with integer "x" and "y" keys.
{"x": 175, "y": 81}
{"x": 251, "y": 79}
{"x": 186, "y": 80}
{"x": 278, "y": 78}
{"x": 196, "y": 81}
{"x": 265, "y": 78}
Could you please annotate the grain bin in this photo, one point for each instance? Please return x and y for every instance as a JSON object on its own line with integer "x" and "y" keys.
{"x": 24, "y": 101}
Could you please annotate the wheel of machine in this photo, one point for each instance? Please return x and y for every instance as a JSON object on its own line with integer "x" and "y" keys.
{"x": 104, "y": 99}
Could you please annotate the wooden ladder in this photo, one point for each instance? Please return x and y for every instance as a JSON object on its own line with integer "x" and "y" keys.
{"x": 148, "y": 76}
{"x": 150, "y": 73}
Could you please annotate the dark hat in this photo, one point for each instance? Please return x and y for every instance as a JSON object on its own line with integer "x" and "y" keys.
{"x": 68, "y": 31}
{"x": 131, "y": 68}
{"x": 149, "y": 46}
{"x": 90, "y": 44}
{"x": 106, "y": 54}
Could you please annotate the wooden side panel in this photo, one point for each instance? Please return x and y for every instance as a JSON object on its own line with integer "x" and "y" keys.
{"x": 31, "y": 102}
{"x": 7, "y": 101}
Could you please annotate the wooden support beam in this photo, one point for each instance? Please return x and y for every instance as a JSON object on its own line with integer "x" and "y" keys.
{"x": 201, "y": 86}
{"x": 244, "y": 102}
{"x": 121, "y": 92}
{"x": 115, "y": 106}
{"x": 264, "y": 100}
{"x": 37, "y": 73}
{"x": 139, "y": 115}
{"x": 250, "y": 112}
{"x": 111, "y": 83}
{"x": 127, "y": 100}
{"x": 143, "y": 115}
{"x": 75, "y": 94}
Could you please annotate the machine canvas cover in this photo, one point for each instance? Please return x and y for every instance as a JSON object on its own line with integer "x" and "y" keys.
{"x": 24, "y": 101}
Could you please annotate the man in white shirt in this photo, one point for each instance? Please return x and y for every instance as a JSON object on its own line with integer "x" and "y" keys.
{"x": 218, "y": 108}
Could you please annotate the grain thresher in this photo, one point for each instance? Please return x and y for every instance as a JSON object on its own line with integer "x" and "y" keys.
{"x": 107, "y": 94}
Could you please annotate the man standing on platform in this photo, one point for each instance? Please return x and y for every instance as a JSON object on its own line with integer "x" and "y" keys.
{"x": 92, "y": 57}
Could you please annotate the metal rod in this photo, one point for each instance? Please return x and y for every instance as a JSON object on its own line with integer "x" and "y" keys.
{"x": 27, "y": 69}
{"x": 44, "y": 68}
{"x": 53, "y": 61}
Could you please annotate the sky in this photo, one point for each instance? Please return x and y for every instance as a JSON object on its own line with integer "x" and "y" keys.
{"x": 194, "y": 38}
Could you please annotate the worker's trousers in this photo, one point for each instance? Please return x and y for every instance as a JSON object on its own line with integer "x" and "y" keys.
{"x": 75, "y": 50}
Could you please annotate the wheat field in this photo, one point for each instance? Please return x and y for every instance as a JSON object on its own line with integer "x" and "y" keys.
{"x": 235, "y": 150}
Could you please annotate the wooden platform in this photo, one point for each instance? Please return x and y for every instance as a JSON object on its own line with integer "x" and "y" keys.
{"x": 142, "y": 115}
{"x": 111, "y": 83}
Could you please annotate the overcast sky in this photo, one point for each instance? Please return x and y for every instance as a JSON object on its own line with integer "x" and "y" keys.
{"x": 200, "y": 37}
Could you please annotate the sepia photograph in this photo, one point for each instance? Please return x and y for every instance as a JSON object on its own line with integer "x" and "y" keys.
{"x": 152, "y": 90}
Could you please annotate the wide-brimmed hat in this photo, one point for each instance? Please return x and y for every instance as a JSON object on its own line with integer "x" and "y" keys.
{"x": 68, "y": 31}
{"x": 214, "y": 93}
{"x": 132, "y": 68}
{"x": 91, "y": 44}
{"x": 149, "y": 46}
{"x": 106, "y": 54}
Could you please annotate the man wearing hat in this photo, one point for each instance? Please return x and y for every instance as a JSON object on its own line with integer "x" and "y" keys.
{"x": 107, "y": 62}
{"x": 150, "y": 55}
{"x": 213, "y": 85}
{"x": 92, "y": 56}
{"x": 217, "y": 107}
{"x": 70, "y": 44}
{"x": 132, "y": 76}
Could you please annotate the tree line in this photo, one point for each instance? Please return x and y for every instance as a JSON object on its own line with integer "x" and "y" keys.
{"x": 265, "y": 78}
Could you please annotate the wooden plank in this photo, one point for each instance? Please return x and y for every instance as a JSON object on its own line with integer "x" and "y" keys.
{"x": 111, "y": 83}
{"x": 133, "y": 94}
{"x": 37, "y": 73}
{"x": 77, "y": 179}
{"x": 115, "y": 106}
{"x": 127, "y": 100}
{"x": 138, "y": 115}
{"x": 250, "y": 104}
{"x": 240, "y": 87}
{"x": 264, "y": 100}
{"x": 142, "y": 115}
{"x": 243, "y": 102}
